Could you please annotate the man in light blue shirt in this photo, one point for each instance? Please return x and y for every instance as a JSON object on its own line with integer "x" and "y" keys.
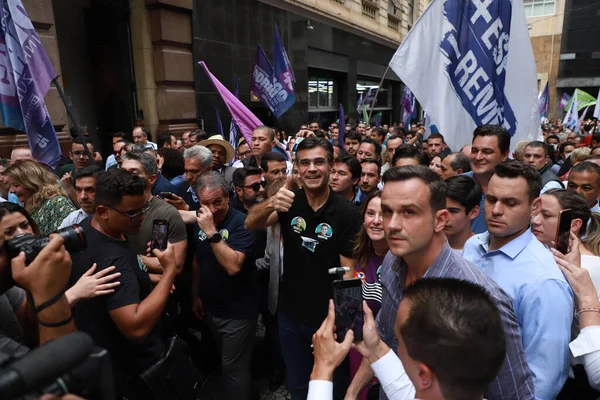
{"x": 510, "y": 254}
{"x": 490, "y": 147}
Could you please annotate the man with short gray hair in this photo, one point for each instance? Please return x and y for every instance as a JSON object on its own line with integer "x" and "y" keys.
{"x": 224, "y": 281}
{"x": 197, "y": 160}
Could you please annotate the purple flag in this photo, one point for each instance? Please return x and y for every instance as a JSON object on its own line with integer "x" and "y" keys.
{"x": 281, "y": 60}
{"x": 243, "y": 117}
{"x": 544, "y": 102}
{"x": 25, "y": 76}
{"x": 408, "y": 107}
{"x": 341, "y": 128}
{"x": 564, "y": 100}
{"x": 267, "y": 85}
{"x": 219, "y": 124}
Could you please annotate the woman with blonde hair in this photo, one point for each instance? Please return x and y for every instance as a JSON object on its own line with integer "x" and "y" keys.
{"x": 41, "y": 194}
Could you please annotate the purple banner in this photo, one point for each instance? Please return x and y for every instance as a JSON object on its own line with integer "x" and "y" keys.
{"x": 408, "y": 107}
{"x": 25, "y": 76}
{"x": 341, "y": 128}
{"x": 267, "y": 85}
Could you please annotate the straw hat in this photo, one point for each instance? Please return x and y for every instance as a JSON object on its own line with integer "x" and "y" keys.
{"x": 218, "y": 139}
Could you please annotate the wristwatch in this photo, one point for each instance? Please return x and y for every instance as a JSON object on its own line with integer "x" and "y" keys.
{"x": 216, "y": 238}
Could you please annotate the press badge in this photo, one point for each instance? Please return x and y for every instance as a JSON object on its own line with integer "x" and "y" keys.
{"x": 310, "y": 244}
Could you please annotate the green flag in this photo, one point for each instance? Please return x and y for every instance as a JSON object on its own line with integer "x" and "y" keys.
{"x": 366, "y": 116}
{"x": 583, "y": 100}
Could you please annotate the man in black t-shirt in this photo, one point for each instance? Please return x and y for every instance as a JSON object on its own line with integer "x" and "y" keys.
{"x": 126, "y": 321}
{"x": 319, "y": 228}
{"x": 224, "y": 282}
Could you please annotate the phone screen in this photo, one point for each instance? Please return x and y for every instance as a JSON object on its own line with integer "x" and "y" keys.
{"x": 166, "y": 195}
{"x": 159, "y": 234}
{"x": 347, "y": 297}
{"x": 564, "y": 230}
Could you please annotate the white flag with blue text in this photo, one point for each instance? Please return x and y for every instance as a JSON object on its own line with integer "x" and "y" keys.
{"x": 570, "y": 120}
{"x": 470, "y": 63}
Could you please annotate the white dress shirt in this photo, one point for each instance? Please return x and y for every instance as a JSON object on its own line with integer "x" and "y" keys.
{"x": 390, "y": 372}
{"x": 73, "y": 218}
{"x": 586, "y": 349}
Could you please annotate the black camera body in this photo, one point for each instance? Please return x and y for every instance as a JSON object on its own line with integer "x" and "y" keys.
{"x": 74, "y": 237}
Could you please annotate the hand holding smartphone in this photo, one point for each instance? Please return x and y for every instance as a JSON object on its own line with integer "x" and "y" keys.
{"x": 347, "y": 298}
{"x": 563, "y": 231}
{"x": 160, "y": 230}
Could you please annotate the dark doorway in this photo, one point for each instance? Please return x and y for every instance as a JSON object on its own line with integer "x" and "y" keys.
{"x": 94, "y": 41}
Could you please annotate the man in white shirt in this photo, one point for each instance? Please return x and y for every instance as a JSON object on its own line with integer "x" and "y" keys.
{"x": 85, "y": 187}
{"x": 142, "y": 137}
{"x": 439, "y": 321}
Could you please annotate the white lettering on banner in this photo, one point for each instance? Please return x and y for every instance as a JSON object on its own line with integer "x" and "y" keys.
{"x": 481, "y": 10}
{"x": 274, "y": 90}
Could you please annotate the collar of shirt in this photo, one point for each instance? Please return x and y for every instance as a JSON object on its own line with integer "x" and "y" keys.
{"x": 512, "y": 248}
{"x": 436, "y": 269}
{"x": 596, "y": 207}
{"x": 193, "y": 192}
{"x": 328, "y": 207}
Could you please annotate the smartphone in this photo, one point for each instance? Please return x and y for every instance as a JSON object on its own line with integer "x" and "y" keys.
{"x": 166, "y": 195}
{"x": 347, "y": 298}
{"x": 160, "y": 230}
{"x": 563, "y": 231}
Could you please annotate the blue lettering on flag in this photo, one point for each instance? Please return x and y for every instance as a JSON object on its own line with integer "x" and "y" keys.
{"x": 476, "y": 47}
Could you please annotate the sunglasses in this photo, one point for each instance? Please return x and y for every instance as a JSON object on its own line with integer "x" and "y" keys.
{"x": 131, "y": 216}
{"x": 256, "y": 186}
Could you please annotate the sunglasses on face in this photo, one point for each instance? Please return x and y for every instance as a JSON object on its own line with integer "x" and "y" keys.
{"x": 256, "y": 186}
{"x": 131, "y": 216}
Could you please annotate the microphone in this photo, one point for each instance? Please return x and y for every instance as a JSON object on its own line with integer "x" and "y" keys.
{"x": 43, "y": 365}
{"x": 338, "y": 270}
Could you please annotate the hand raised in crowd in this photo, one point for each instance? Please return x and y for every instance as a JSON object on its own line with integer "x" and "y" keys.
{"x": 178, "y": 203}
{"x": 166, "y": 258}
{"x": 371, "y": 347}
{"x": 48, "y": 274}
{"x": 92, "y": 285}
{"x": 67, "y": 180}
{"x": 578, "y": 278}
{"x": 206, "y": 221}
{"x": 198, "y": 307}
{"x": 284, "y": 198}
{"x": 328, "y": 352}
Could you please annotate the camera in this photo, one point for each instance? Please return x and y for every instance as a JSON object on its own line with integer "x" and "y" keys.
{"x": 73, "y": 236}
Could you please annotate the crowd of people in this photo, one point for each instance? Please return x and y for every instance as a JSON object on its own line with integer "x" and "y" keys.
{"x": 465, "y": 293}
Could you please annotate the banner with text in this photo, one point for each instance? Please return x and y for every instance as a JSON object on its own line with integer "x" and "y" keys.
{"x": 267, "y": 86}
{"x": 477, "y": 75}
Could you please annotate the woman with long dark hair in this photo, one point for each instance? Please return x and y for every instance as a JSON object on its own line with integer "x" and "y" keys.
{"x": 369, "y": 251}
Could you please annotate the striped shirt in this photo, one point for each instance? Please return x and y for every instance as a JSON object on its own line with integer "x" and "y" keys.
{"x": 514, "y": 381}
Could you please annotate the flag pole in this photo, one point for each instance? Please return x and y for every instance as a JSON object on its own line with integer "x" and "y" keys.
{"x": 376, "y": 93}
{"x": 72, "y": 118}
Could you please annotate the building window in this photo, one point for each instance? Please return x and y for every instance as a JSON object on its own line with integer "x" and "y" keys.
{"x": 537, "y": 8}
{"x": 322, "y": 93}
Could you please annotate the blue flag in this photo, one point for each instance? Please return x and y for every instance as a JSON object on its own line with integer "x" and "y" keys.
{"x": 281, "y": 61}
{"x": 341, "y": 128}
{"x": 25, "y": 80}
{"x": 269, "y": 85}
{"x": 219, "y": 124}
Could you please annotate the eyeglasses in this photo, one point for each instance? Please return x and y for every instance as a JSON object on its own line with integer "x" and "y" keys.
{"x": 131, "y": 216}
{"x": 318, "y": 162}
{"x": 80, "y": 154}
{"x": 256, "y": 186}
{"x": 245, "y": 153}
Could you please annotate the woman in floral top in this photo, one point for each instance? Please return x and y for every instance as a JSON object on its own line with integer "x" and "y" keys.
{"x": 40, "y": 192}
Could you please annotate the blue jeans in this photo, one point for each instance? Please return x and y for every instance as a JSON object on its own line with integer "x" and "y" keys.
{"x": 296, "y": 338}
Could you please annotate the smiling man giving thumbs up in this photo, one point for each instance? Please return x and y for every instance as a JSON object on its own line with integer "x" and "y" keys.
{"x": 305, "y": 287}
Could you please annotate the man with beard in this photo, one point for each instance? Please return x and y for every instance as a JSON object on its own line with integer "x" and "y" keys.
{"x": 306, "y": 285}
{"x": 249, "y": 188}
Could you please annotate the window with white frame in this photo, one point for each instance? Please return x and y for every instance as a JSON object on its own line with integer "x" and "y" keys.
{"x": 537, "y": 8}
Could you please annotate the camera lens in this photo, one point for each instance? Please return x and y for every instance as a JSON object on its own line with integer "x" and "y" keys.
{"x": 74, "y": 237}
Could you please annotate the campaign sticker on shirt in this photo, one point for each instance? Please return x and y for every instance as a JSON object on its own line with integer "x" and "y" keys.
{"x": 298, "y": 224}
{"x": 141, "y": 264}
{"x": 224, "y": 234}
{"x": 324, "y": 231}
{"x": 309, "y": 243}
{"x": 201, "y": 235}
